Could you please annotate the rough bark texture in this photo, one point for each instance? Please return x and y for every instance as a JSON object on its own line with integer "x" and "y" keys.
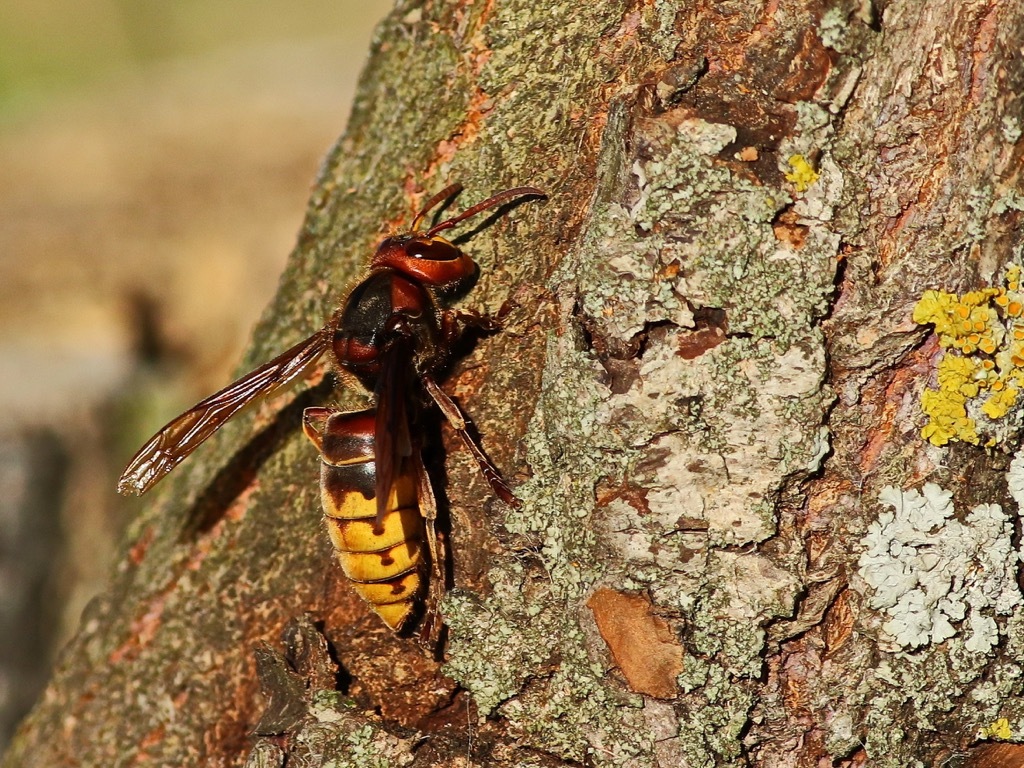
{"x": 710, "y": 377}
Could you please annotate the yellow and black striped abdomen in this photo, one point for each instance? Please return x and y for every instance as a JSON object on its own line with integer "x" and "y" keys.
{"x": 383, "y": 561}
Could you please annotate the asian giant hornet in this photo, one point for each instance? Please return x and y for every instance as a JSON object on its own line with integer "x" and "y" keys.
{"x": 393, "y": 336}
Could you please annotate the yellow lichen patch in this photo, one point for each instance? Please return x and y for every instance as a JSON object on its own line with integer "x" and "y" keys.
{"x": 947, "y": 418}
{"x": 1000, "y": 402}
{"x": 1000, "y": 729}
{"x": 802, "y": 175}
{"x": 939, "y": 309}
{"x": 982, "y": 370}
{"x": 956, "y": 374}
{"x": 1013, "y": 273}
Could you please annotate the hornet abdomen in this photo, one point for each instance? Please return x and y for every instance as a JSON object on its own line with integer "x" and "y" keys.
{"x": 384, "y": 560}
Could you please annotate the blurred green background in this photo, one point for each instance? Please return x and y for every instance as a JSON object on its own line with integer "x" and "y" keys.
{"x": 155, "y": 160}
{"x": 49, "y": 47}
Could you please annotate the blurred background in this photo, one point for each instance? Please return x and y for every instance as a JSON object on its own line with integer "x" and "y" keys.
{"x": 155, "y": 160}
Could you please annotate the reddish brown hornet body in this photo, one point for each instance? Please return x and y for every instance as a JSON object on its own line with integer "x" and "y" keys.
{"x": 394, "y": 337}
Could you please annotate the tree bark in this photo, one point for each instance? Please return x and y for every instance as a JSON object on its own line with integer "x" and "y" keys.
{"x": 710, "y": 377}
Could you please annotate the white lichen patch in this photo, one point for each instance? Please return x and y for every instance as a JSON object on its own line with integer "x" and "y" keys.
{"x": 936, "y": 577}
{"x": 1015, "y": 480}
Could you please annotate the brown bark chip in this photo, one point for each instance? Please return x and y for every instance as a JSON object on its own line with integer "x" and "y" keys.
{"x": 642, "y": 644}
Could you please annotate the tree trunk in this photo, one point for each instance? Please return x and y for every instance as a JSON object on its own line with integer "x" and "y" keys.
{"x": 708, "y": 397}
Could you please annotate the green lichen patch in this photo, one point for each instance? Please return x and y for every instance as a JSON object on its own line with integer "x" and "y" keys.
{"x": 698, "y": 444}
{"x": 919, "y": 693}
{"x": 531, "y": 664}
{"x": 520, "y": 47}
{"x": 711, "y": 722}
{"x": 980, "y": 374}
{"x": 332, "y": 727}
{"x": 497, "y": 644}
{"x": 708, "y": 440}
{"x": 697, "y": 234}
{"x": 577, "y": 714}
{"x": 360, "y": 744}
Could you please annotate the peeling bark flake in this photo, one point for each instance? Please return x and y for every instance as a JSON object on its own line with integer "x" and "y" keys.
{"x": 642, "y": 644}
